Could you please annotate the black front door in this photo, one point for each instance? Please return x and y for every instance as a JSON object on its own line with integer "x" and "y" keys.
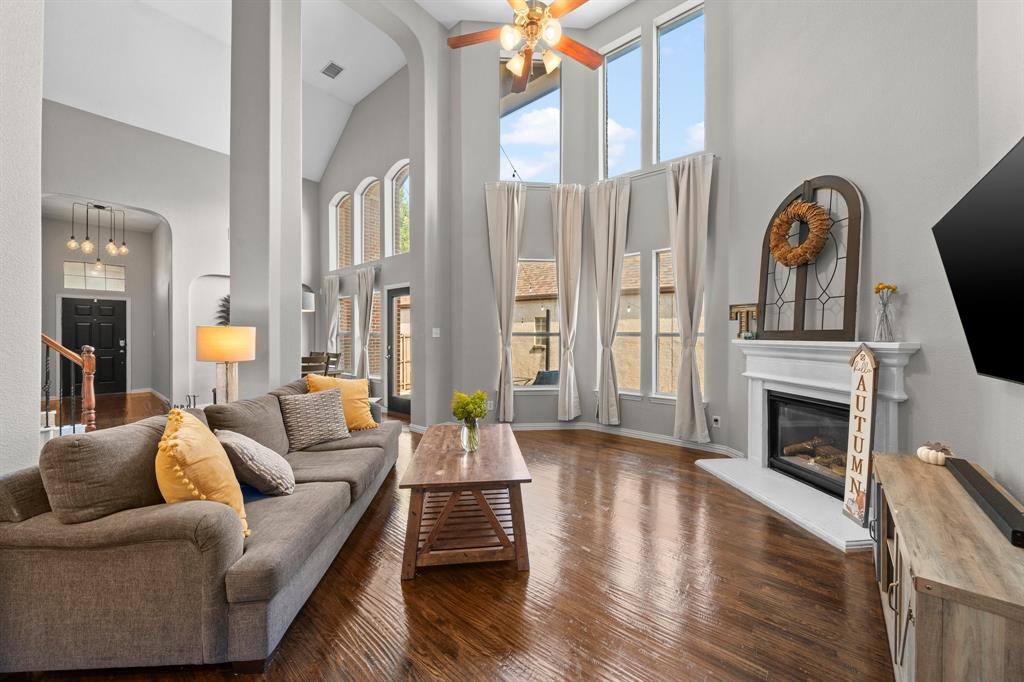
{"x": 399, "y": 355}
{"x": 102, "y": 325}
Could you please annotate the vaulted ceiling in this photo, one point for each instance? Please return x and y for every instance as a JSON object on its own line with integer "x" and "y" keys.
{"x": 450, "y": 12}
{"x": 165, "y": 66}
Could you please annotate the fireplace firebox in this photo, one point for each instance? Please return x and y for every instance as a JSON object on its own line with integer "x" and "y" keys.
{"x": 807, "y": 440}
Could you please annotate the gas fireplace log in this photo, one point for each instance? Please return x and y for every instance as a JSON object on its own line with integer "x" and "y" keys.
{"x": 807, "y": 447}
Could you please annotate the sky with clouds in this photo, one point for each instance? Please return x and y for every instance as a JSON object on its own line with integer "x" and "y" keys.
{"x": 530, "y": 136}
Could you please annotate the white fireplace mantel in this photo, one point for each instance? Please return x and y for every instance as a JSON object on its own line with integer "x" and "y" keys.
{"x": 820, "y": 370}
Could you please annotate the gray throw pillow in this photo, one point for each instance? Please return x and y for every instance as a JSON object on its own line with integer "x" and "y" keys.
{"x": 313, "y": 418}
{"x": 257, "y": 465}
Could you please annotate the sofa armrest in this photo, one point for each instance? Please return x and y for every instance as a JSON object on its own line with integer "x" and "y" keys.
{"x": 72, "y": 593}
{"x": 376, "y": 411}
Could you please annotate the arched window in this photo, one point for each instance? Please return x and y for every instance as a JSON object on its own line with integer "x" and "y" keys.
{"x": 342, "y": 218}
{"x": 369, "y": 220}
{"x": 397, "y": 220}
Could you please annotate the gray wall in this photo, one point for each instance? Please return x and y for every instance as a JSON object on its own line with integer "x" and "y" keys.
{"x": 139, "y": 291}
{"x": 162, "y": 305}
{"x": 309, "y": 250}
{"x": 21, "y": 91}
{"x": 375, "y": 138}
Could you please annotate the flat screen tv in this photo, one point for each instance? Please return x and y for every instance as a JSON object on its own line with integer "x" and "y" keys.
{"x": 981, "y": 243}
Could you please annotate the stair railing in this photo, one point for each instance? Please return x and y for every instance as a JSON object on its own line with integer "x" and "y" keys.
{"x": 86, "y": 362}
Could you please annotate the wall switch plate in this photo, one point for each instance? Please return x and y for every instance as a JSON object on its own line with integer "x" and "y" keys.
{"x": 716, "y": 422}
{"x": 436, "y": 333}
{"x": 490, "y": 405}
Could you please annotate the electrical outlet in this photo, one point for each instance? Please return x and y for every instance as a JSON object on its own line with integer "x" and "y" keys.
{"x": 716, "y": 422}
{"x": 490, "y": 404}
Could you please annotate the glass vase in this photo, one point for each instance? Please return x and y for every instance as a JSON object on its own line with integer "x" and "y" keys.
{"x": 470, "y": 435}
{"x": 884, "y": 328}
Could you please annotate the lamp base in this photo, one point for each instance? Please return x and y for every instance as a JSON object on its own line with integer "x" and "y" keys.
{"x": 227, "y": 381}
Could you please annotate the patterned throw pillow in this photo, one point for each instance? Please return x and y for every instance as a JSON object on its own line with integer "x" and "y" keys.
{"x": 257, "y": 465}
{"x": 313, "y": 418}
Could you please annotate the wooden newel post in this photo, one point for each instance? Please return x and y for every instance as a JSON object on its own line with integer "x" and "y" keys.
{"x": 88, "y": 388}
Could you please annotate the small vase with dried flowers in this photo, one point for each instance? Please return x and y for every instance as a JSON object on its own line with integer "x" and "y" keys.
{"x": 884, "y": 329}
{"x": 469, "y": 409}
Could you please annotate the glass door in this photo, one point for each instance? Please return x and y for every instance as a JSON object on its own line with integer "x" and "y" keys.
{"x": 399, "y": 351}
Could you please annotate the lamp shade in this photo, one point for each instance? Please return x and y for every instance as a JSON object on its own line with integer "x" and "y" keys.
{"x": 225, "y": 344}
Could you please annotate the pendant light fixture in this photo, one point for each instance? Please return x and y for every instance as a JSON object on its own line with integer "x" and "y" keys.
{"x": 87, "y": 245}
{"x": 72, "y": 243}
{"x": 123, "y": 249}
{"x": 111, "y": 246}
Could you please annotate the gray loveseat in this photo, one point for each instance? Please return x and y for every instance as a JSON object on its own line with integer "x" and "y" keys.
{"x": 143, "y": 583}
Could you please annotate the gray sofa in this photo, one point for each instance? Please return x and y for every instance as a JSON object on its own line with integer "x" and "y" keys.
{"x": 143, "y": 583}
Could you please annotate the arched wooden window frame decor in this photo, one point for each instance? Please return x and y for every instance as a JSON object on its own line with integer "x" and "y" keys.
{"x": 799, "y": 331}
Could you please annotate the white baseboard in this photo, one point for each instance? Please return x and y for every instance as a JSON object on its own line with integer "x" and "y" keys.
{"x": 716, "y": 448}
{"x": 155, "y": 392}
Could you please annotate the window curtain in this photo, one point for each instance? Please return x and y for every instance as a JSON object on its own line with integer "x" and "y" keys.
{"x": 506, "y": 208}
{"x": 330, "y": 291}
{"x": 364, "y": 303}
{"x": 609, "y": 219}
{"x": 567, "y": 219}
{"x": 689, "y": 197}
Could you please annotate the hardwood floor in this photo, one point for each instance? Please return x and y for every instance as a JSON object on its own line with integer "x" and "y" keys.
{"x": 116, "y": 409}
{"x": 642, "y": 567}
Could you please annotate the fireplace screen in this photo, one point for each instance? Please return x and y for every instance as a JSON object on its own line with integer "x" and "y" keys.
{"x": 807, "y": 440}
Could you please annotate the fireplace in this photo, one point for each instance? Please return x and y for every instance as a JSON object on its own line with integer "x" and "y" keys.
{"x": 807, "y": 440}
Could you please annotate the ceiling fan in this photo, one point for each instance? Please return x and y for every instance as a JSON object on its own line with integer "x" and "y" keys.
{"x": 534, "y": 22}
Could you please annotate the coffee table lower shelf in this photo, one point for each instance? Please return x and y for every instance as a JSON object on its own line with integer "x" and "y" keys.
{"x": 464, "y": 526}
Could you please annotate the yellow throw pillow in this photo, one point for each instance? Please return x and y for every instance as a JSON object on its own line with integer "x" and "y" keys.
{"x": 191, "y": 465}
{"x": 355, "y": 398}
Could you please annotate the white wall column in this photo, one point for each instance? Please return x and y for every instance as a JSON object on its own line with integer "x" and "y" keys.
{"x": 21, "y": 101}
{"x": 266, "y": 187}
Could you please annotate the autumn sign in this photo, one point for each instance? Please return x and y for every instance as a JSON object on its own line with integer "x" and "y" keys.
{"x": 858, "y": 450}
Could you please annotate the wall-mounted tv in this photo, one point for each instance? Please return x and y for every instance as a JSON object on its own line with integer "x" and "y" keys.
{"x": 981, "y": 243}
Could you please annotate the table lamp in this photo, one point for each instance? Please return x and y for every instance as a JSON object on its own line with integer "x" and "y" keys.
{"x": 227, "y": 346}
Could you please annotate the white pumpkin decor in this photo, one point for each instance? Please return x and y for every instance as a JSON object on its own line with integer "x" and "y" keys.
{"x": 934, "y": 453}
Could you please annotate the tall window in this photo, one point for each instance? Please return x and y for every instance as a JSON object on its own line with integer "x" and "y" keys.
{"x": 681, "y": 86}
{"x": 369, "y": 206}
{"x": 622, "y": 98}
{"x": 626, "y": 346}
{"x": 531, "y": 128}
{"x": 535, "y": 325}
{"x": 400, "y": 211}
{"x": 669, "y": 346}
{"x": 373, "y": 347}
{"x": 345, "y": 338}
{"x": 79, "y": 275}
{"x": 344, "y": 222}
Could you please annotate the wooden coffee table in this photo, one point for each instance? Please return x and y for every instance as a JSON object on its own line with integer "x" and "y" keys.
{"x": 465, "y": 507}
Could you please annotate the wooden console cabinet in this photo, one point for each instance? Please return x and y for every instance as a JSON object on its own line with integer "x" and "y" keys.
{"x": 952, "y": 586}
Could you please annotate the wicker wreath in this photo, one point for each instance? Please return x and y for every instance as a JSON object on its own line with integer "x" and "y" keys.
{"x": 817, "y": 220}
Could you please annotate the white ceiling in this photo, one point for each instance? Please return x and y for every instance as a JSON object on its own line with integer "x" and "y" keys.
{"x": 58, "y": 207}
{"x": 451, "y": 12}
{"x": 165, "y": 65}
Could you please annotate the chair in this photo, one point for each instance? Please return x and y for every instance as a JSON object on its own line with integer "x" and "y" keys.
{"x": 333, "y": 362}
{"x": 314, "y": 364}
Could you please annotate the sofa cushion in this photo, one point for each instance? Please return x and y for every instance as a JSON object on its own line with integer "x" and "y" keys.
{"x": 385, "y": 436}
{"x": 288, "y": 529}
{"x": 355, "y": 397}
{"x": 22, "y": 495}
{"x": 313, "y": 418}
{"x": 91, "y": 475}
{"x": 296, "y": 387}
{"x": 257, "y": 465}
{"x": 358, "y": 468}
{"x": 191, "y": 465}
{"x": 259, "y": 419}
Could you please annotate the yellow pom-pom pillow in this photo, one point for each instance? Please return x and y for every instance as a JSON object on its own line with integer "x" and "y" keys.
{"x": 355, "y": 398}
{"x": 191, "y": 464}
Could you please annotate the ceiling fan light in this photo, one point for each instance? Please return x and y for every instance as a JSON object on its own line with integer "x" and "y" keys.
{"x": 551, "y": 61}
{"x": 510, "y": 37}
{"x": 516, "y": 65}
{"x": 552, "y": 32}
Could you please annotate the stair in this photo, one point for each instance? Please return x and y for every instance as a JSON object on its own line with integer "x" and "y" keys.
{"x": 47, "y": 433}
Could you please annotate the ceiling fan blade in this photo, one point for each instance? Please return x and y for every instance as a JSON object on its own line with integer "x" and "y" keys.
{"x": 518, "y": 5}
{"x": 467, "y": 39}
{"x": 519, "y": 84}
{"x": 560, "y": 8}
{"x": 580, "y": 52}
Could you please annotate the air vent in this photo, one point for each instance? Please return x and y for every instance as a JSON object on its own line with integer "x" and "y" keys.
{"x": 331, "y": 70}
